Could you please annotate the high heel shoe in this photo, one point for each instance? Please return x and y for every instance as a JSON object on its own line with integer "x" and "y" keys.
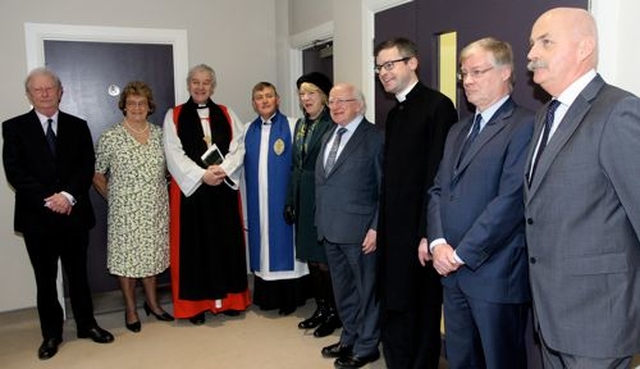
{"x": 134, "y": 327}
{"x": 165, "y": 317}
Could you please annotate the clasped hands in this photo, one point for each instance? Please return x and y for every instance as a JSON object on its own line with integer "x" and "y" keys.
{"x": 442, "y": 257}
{"x": 214, "y": 175}
{"x": 58, "y": 203}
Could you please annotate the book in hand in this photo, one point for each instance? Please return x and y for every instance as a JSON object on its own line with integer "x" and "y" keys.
{"x": 212, "y": 156}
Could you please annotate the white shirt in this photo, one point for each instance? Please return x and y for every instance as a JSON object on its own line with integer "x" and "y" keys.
{"x": 566, "y": 98}
{"x": 351, "y": 127}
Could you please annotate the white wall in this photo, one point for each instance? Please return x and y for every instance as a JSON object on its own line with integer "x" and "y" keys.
{"x": 239, "y": 44}
{"x": 307, "y": 14}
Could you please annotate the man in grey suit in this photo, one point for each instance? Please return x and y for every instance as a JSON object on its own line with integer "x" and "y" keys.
{"x": 582, "y": 201}
{"x": 475, "y": 217}
{"x": 348, "y": 175}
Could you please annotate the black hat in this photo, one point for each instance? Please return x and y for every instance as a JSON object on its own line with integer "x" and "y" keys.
{"x": 320, "y": 80}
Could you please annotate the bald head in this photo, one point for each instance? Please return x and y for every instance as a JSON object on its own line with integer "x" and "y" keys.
{"x": 564, "y": 46}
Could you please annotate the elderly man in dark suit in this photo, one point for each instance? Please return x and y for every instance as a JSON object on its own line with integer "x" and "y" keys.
{"x": 475, "y": 218}
{"x": 49, "y": 160}
{"x": 348, "y": 174}
{"x": 582, "y": 201}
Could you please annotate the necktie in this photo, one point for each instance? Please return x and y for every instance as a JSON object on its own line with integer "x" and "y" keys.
{"x": 51, "y": 136}
{"x": 333, "y": 152}
{"x": 475, "y": 130}
{"x": 551, "y": 110}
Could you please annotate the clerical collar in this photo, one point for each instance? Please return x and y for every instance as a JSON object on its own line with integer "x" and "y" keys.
{"x": 268, "y": 121}
{"x": 202, "y": 106}
{"x": 402, "y": 95}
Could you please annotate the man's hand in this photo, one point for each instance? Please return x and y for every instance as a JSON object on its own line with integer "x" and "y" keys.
{"x": 369, "y": 243}
{"x": 214, "y": 175}
{"x": 443, "y": 260}
{"x": 424, "y": 255}
{"x": 58, "y": 203}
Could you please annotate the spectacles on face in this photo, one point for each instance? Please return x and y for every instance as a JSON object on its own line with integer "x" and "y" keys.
{"x": 340, "y": 102}
{"x": 137, "y": 104}
{"x": 389, "y": 65}
{"x": 475, "y": 74}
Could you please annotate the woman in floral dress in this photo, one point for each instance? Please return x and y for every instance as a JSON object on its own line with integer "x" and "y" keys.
{"x": 130, "y": 174}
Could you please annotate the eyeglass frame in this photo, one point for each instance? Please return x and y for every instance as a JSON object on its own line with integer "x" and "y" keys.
{"x": 137, "y": 104}
{"x": 475, "y": 74}
{"x": 340, "y": 101}
{"x": 389, "y": 65}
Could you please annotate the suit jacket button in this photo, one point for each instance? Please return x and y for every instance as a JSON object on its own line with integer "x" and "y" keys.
{"x": 532, "y": 260}
{"x": 529, "y": 221}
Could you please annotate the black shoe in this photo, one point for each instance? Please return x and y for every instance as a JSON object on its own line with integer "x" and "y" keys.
{"x": 319, "y": 316}
{"x": 96, "y": 334}
{"x": 287, "y": 310}
{"x": 134, "y": 327}
{"x": 355, "y": 361}
{"x": 197, "y": 319}
{"x": 336, "y": 350}
{"x": 48, "y": 348}
{"x": 327, "y": 327}
{"x": 231, "y": 312}
{"x": 165, "y": 317}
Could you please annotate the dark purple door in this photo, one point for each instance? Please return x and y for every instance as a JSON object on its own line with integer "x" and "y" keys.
{"x": 93, "y": 74}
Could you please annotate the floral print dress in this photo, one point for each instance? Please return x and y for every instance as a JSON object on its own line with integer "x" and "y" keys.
{"x": 138, "y": 216}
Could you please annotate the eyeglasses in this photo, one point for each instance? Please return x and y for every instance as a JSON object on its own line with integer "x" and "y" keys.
{"x": 475, "y": 74}
{"x": 137, "y": 104}
{"x": 339, "y": 102}
{"x": 389, "y": 65}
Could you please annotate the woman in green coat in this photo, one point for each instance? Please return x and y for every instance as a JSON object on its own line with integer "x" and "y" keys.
{"x": 313, "y": 91}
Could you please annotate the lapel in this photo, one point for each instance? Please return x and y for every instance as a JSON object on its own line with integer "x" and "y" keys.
{"x": 566, "y": 128}
{"x": 350, "y": 147}
{"x": 493, "y": 126}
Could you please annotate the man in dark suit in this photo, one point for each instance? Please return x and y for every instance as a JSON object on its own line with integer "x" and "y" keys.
{"x": 416, "y": 128}
{"x": 348, "y": 175}
{"x": 48, "y": 159}
{"x": 582, "y": 201}
{"x": 475, "y": 217}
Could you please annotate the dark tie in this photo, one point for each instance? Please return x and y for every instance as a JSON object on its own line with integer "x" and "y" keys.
{"x": 333, "y": 152}
{"x": 551, "y": 110}
{"x": 475, "y": 130}
{"x": 51, "y": 136}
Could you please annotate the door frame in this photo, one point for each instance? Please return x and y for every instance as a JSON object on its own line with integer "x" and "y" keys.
{"x": 37, "y": 33}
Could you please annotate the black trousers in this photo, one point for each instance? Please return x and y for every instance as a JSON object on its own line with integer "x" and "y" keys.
{"x": 45, "y": 249}
{"x": 411, "y": 338}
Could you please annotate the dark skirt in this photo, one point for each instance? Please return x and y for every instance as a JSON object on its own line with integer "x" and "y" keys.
{"x": 283, "y": 293}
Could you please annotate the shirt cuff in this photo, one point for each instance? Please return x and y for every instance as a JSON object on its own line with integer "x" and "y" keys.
{"x": 72, "y": 200}
{"x": 458, "y": 260}
{"x": 436, "y": 242}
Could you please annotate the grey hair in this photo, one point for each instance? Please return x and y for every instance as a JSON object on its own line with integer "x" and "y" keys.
{"x": 203, "y": 68}
{"x": 42, "y": 71}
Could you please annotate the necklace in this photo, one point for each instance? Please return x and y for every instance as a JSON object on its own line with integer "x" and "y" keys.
{"x": 137, "y": 131}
